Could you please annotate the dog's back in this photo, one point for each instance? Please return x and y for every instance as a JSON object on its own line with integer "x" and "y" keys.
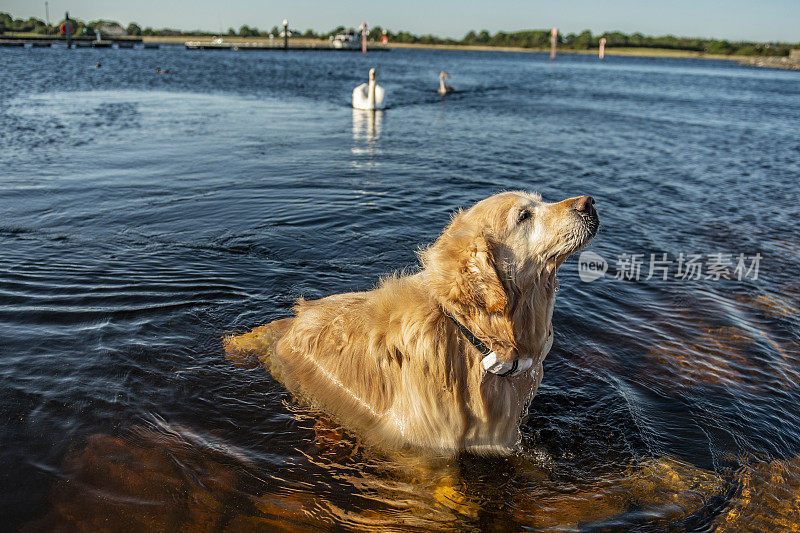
{"x": 336, "y": 359}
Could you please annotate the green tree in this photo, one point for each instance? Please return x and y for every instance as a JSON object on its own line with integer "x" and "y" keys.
{"x": 133, "y": 29}
{"x": 636, "y": 39}
{"x": 5, "y": 21}
{"x": 615, "y": 38}
{"x": 38, "y": 26}
{"x": 749, "y": 49}
{"x": 718, "y": 47}
{"x": 499, "y": 39}
{"x": 583, "y": 41}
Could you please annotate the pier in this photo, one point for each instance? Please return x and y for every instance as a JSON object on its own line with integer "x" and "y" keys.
{"x": 244, "y": 46}
{"x": 76, "y": 42}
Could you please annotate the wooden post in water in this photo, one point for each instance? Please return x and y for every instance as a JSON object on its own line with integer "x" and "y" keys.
{"x": 363, "y": 37}
{"x": 68, "y": 29}
{"x": 553, "y": 41}
{"x": 602, "y": 52}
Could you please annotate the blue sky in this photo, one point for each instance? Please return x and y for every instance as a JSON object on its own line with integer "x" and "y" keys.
{"x": 759, "y": 20}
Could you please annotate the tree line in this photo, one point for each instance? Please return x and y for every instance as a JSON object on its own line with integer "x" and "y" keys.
{"x": 615, "y": 39}
{"x": 534, "y": 39}
{"x": 79, "y": 27}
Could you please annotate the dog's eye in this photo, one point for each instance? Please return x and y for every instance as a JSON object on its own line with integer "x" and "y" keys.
{"x": 524, "y": 215}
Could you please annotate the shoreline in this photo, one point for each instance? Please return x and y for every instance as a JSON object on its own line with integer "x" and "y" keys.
{"x": 780, "y": 62}
{"x": 633, "y": 52}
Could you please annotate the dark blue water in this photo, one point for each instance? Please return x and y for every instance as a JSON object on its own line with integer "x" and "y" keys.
{"x": 143, "y": 217}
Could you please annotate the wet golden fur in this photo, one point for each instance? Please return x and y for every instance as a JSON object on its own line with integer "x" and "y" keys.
{"x": 390, "y": 365}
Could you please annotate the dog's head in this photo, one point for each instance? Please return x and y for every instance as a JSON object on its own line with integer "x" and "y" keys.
{"x": 503, "y": 246}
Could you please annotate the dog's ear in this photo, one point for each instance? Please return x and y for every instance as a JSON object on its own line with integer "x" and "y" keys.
{"x": 462, "y": 268}
{"x": 481, "y": 279}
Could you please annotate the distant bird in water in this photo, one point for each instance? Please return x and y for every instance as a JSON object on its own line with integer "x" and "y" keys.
{"x": 443, "y": 87}
{"x": 98, "y": 65}
{"x": 368, "y": 95}
{"x": 159, "y": 70}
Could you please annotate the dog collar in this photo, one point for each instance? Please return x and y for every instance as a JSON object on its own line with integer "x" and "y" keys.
{"x": 490, "y": 362}
{"x": 517, "y": 366}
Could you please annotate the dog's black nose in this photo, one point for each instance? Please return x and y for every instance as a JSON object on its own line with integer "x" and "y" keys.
{"x": 583, "y": 204}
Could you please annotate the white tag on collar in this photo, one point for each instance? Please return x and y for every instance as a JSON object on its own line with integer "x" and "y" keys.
{"x": 492, "y": 364}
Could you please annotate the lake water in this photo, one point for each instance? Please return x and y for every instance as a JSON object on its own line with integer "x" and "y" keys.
{"x": 144, "y": 217}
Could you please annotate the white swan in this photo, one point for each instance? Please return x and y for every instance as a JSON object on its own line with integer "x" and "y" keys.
{"x": 443, "y": 87}
{"x": 368, "y": 95}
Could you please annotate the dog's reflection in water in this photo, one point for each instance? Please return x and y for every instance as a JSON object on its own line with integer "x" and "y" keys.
{"x": 169, "y": 478}
{"x": 152, "y": 479}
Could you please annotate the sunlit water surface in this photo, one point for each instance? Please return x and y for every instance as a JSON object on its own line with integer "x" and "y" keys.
{"x": 143, "y": 217}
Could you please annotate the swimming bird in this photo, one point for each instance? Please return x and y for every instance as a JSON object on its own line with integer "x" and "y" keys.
{"x": 159, "y": 70}
{"x": 368, "y": 95}
{"x": 98, "y": 65}
{"x": 443, "y": 87}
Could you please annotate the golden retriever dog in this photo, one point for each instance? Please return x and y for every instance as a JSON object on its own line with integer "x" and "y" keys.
{"x": 446, "y": 358}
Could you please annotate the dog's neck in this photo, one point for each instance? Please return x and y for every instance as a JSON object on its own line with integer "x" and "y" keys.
{"x": 496, "y": 330}
{"x": 531, "y": 311}
{"x": 521, "y": 329}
